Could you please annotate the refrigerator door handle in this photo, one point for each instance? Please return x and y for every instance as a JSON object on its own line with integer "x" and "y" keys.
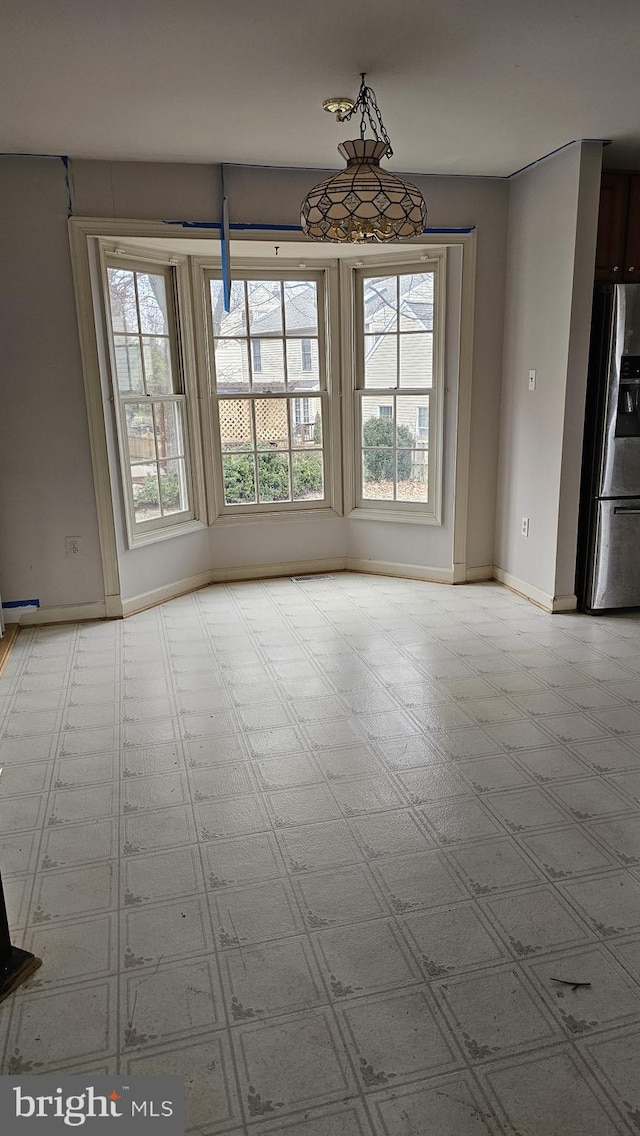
{"x": 631, "y": 512}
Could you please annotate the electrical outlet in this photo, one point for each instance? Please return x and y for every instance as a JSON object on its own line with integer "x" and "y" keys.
{"x": 73, "y": 547}
{"x": 532, "y": 380}
{"x": 524, "y": 526}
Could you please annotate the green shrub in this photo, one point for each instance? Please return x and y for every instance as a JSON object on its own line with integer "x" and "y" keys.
{"x": 317, "y": 430}
{"x": 377, "y": 433}
{"x": 307, "y": 474}
{"x": 239, "y": 479}
{"x": 273, "y": 476}
{"x": 148, "y": 492}
{"x": 273, "y": 471}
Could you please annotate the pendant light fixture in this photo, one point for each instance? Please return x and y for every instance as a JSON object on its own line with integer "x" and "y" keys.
{"x": 363, "y": 202}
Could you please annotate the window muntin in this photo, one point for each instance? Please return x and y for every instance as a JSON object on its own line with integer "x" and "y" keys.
{"x": 396, "y": 369}
{"x": 148, "y": 393}
{"x": 271, "y": 433}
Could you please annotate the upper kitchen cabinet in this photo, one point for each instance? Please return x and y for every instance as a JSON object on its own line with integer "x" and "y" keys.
{"x": 632, "y": 243}
{"x": 612, "y": 227}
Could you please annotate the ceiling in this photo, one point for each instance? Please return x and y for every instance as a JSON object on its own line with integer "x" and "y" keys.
{"x": 465, "y": 86}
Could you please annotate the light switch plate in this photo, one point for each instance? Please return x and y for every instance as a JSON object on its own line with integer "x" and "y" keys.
{"x": 532, "y": 380}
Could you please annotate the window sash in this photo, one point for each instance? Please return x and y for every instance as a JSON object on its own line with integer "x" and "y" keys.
{"x": 296, "y": 395}
{"x": 124, "y": 398}
{"x": 380, "y": 394}
{"x": 421, "y": 451}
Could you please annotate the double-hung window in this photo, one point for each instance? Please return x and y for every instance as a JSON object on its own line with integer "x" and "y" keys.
{"x": 269, "y": 389}
{"x": 398, "y": 389}
{"x": 149, "y": 395}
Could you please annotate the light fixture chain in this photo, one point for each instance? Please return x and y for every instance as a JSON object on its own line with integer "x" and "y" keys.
{"x": 369, "y": 112}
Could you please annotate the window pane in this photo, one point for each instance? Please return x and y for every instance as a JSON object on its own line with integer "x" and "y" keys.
{"x": 169, "y": 436}
{"x": 139, "y": 424}
{"x": 303, "y": 364}
{"x": 377, "y": 423}
{"x": 377, "y": 474}
{"x": 273, "y": 477}
{"x": 236, "y": 431}
{"x": 405, "y": 422}
{"x": 122, "y": 297}
{"x": 421, "y": 403}
{"x": 239, "y": 478}
{"x": 157, "y": 366}
{"x": 173, "y": 487}
{"x": 308, "y": 476}
{"x": 232, "y": 365}
{"x": 412, "y": 470}
{"x": 146, "y": 494}
{"x": 152, "y": 300}
{"x": 233, "y": 322}
{"x": 416, "y": 360}
{"x": 301, "y": 307}
{"x": 267, "y": 358}
{"x": 128, "y": 362}
{"x": 380, "y": 303}
{"x": 380, "y": 360}
{"x": 416, "y": 302}
{"x": 265, "y": 307}
{"x": 272, "y": 428}
{"x": 306, "y": 421}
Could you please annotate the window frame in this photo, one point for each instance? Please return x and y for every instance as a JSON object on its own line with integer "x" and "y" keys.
{"x": 326, "y": 277}
{"x": 175, "y": 271}
{"x": 353, "y": 272}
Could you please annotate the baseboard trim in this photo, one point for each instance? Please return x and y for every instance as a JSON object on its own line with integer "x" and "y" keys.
{"x": 553, "y": 604}
{"x": 228, "y": 575}
{"x": 11, "y": 632}
{"x": 66, "y": 613}
{"x": 404, "y": 571}
{"x": 114, "y": 608}
{"x": 480, "y": 575}
{"x": 565, "y": 603}
{"x": 272, "y": 571}
{"x": 167, "y": 592}
{"x": 522, "y": 588}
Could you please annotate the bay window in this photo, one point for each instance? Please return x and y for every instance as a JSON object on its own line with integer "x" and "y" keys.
{"x": 242, "y": 407}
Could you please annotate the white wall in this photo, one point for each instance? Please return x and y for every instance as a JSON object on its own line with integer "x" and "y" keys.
{"x": 551, "y": 247}
{"x": 46, "y": 478}
{"x": 47, "y": 487}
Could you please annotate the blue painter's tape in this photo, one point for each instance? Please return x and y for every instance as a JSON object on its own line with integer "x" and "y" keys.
{"x": 239, "y": 225}
{"x": 21, "y": 603}
{"x": 225, "y": 247}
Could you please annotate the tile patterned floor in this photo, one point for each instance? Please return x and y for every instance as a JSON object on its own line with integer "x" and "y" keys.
{"x": 324, "y": 847}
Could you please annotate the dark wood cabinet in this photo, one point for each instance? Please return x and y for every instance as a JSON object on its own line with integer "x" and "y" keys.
{"x": 631, "y": 270}
{"x": 612, "y": 226}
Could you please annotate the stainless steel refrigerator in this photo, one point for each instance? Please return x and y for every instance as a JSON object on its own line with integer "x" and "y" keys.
{"x": 608, "y": 569}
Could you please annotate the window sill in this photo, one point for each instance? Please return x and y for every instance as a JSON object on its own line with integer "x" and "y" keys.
{"x": 232, "y": 519}
{"x": 397, "y": 517}
{"x": 184, "y": 528}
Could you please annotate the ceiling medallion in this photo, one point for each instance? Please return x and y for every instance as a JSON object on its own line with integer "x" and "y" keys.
{"x": 363, "y": 202}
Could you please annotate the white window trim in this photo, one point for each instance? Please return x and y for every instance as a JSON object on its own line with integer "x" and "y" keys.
{"x": 163, "y": 528}
{"x": 327, "y": 271}
{"x": 355, "y": 507}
